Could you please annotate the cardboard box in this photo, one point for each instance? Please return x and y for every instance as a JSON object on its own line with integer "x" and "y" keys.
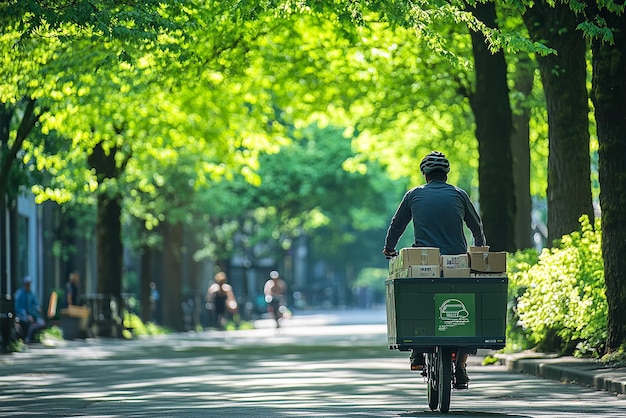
{"x": 491, "y": 262}
{"x": 483, "y": 249}
{"x": 456, "y": 272}
{"x": 422, "y": 272}
{"x": 417, "y": 256}
{"x": 459, "y": 261}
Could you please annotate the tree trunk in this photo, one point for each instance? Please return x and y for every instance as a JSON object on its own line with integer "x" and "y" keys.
{"x": 524, "y": 80}
{"x": 110, "y": 250}
{"x": 564, "y": 82}
{"x": 109, "y": 253}
{"x": 492, "y": 111}
{"x": 108, "y": 238}
{"x": 9, "y": 155}
{"x": 9, "y": 188}
{"x": 609, "y": 96}
{"x": 147, "y": 307}
{"x": 6, "y": 114}
{"x": 171, "y": 297}
{"x": 14, "y": 261}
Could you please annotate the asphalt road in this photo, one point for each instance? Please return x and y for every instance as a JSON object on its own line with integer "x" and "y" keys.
{"x": 315, "y": 366}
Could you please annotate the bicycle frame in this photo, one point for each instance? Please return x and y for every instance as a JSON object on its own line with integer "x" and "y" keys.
{"x": 440, "y": 367}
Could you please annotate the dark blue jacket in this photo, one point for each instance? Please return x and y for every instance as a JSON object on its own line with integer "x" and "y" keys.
{"x": 438, "y": 211}
{"x": 26, "y": 304}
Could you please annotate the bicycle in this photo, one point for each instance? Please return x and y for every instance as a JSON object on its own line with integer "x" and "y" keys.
{"x": 440, "y": 377}
{"x": 444, "y": 317}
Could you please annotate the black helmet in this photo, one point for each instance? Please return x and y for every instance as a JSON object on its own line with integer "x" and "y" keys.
{"x": 435, "y": 161}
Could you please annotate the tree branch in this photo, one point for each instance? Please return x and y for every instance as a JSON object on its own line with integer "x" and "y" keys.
{"x": 26, "y": 126}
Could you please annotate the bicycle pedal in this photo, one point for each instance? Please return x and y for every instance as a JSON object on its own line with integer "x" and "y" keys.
{"x": 464, "y": 387}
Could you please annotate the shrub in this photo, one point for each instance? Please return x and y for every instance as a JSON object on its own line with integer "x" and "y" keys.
{"x": 563, "y": 307}
{"x": 517, "y": 337}
{"x": 134, "y": 326}
{"x": 616, "y": 358}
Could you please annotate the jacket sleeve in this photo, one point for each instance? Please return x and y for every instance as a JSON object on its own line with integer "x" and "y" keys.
{"x": 473, "y": 222}
{"x": 398, "y": 224}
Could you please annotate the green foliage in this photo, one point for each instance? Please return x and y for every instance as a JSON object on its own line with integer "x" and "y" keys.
{"x": 238, "y": 324}
{"x": 517, "y": 337}
{"x": 489, "y": 360}
{"x": 52, "y": 333}
{"x": 192, "y": 93}
{"x": 563, "y": 306}
{"x": 135, "y": 327}
{"x": 616, "y": 358}
{"x": 373, "y": 278}
{"x": 126, "y": 20}
{"x": 307, "y": 187}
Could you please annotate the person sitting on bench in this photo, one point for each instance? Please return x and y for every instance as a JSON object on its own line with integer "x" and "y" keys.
{"x": 28, "y": 311}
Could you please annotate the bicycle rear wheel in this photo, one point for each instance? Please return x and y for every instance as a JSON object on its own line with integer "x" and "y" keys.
{"x": 432, "y": 377}
{"x": 445, "y": 377}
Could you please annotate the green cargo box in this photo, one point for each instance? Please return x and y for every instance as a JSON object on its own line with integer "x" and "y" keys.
{"x": 454, "y": 312}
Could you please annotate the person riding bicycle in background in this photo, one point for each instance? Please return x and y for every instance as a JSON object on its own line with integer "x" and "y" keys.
{"x": 438, "y": 211}
{"x": 275, "y": 290}
{"x": 221, "y": 300}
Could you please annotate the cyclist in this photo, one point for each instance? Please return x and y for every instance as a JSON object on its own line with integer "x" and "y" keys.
{"x": 221, "y": 299}
{"x": 274, "y": 291}
{"x": 438, "y": 211}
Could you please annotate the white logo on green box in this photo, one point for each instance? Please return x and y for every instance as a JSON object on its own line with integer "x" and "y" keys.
{"x": 455, "y": 315}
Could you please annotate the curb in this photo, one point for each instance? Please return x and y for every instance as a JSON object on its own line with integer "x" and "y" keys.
{"x": 585, "y": 372}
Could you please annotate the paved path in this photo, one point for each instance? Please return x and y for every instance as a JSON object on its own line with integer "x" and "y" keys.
{"x": 316, "y": 365}
{"x": 586, "y": 372}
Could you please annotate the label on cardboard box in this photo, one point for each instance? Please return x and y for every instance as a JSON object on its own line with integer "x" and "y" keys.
{"x": 459, "y": 261}
{"x": 432, "y": 271}
{"x": 492, "y": 262}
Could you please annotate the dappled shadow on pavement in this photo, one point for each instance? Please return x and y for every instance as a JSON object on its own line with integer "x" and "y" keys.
{"x": 344, "y": 371}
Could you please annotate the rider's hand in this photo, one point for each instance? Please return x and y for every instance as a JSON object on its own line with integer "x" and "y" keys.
{"x": 389, "y": 252}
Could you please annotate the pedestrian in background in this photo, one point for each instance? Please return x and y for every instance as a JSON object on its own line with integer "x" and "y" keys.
{"x": 221, "y": 300}
{"x": 28, "y": 311}
{"x": 155, "y": 296}
{"x": 275, "y": 290}
{"x": 74, "y": 305}
{"x": 72, "y": 297}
